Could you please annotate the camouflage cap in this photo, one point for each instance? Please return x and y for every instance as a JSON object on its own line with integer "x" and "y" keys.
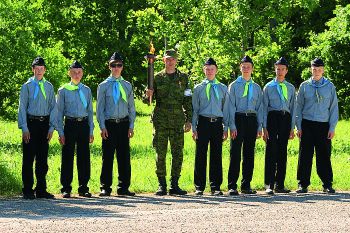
{"x": 171, "y": 53}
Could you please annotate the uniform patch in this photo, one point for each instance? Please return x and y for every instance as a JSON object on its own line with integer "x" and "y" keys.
{"x": 188, "y": 92}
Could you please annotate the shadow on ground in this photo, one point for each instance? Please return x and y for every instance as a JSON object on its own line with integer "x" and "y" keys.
{"x": 106, "y": 207}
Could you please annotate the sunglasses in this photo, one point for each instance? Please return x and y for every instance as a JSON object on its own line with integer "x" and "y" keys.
{"x": 114, "y": 65}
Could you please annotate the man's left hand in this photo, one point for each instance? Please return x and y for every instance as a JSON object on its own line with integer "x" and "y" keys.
{"x": 187, "y": 127}
{"x": 49, "y": 136}
{"x": 331, "y": 135}
{"x": 131, "y": 133}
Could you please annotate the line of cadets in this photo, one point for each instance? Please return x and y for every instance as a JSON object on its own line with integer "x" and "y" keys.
{"x": 243, "y": 107}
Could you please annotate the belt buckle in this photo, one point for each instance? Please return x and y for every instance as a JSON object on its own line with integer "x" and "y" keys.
{"x": 246, "y": 113}
{"x": 117, "y": 120}
{"x": 41, "y": 118}
{"x": 212, "y": 120}
{"x": 79, "y": 119}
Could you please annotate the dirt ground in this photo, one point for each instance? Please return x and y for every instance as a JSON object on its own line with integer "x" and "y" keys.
{"x": 312, "y": 212}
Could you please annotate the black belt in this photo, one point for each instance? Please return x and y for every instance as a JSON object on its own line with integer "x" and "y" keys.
{"x": 118, "y": 120}
{"x": 39, "y": 118}
{"x": 210, "y": 119}
{"x": 245, "y": 114}
{"x": 76, "y": 118}
{"x": 281, "y": 112}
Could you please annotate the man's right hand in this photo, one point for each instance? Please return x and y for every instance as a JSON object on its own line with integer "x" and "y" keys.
{"x": 195, "y": 135}
{"x": 62, "y": 140}
{"x": 26, "y": 137}
{"x": 233, "y": 133}
{"x": 149, "y": 92}
{"x": 265, "y": 135}
{"x": 299, "y": 133}
{"x": 104, "y": 133}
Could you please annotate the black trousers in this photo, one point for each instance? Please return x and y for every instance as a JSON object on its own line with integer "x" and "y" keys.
{"x": 247, "y": 127}
{"x": 76, "y": 133}
{"x": 314, "y": 137}
{"x": 278, "y": 127}
{"x": 208, "y": 132}
{"x": 117, "y": 141}
{"x": 37, "y": 149}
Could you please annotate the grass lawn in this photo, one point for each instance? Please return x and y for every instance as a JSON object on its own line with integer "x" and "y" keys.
{"x": 143, "y": 160}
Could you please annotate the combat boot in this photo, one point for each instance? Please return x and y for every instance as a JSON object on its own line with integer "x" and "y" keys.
{"x": 162, "y": 187}
{"x": 174, "y": 187}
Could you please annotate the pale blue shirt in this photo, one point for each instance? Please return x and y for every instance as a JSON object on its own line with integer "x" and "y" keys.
{"x": 38, "y": 106}
{"x": 273, "y": 102}
{"x": 107, "y": 109}
{"x": 69, "y": 104}
{"x": 213, "y": 107}
{"x": 237, "y": 103}
{"x": 322, "y": 109}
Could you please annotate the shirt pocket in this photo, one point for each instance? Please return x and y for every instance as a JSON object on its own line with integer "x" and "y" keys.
{"x": 109, "y": 98}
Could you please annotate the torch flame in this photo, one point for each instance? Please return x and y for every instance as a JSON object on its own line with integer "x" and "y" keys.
{"x": 151, "y": 49}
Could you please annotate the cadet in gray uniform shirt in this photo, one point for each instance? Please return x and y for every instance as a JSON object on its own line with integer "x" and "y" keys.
{"x": 316, "y": 118}
{"x": 36, "y": 119}
{"x": 116, "y": 116}
{"x": 278, "y": 124}
{"x": 209, "y": 124}
{"x": 246, "y": 113}
{"x": 75, "y": 127}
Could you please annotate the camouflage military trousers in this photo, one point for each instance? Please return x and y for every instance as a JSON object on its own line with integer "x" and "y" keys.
{"x": 161, "y": 136}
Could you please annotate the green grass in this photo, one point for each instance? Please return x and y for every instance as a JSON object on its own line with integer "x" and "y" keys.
{"x": 143, "y": 160}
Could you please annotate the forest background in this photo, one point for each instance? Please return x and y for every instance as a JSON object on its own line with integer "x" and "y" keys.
{"x": 91, "y": 30}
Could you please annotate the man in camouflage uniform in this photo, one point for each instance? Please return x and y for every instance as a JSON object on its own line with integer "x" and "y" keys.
{"x": 171, "y": 118}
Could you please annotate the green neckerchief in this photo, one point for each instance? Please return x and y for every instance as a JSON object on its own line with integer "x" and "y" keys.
{"x": 209, "y": 84}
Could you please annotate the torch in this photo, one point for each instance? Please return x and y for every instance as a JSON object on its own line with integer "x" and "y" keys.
{"x": 150, "y": 70}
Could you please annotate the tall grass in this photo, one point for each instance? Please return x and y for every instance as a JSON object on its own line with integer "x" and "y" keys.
{"x": 143, "y": 160}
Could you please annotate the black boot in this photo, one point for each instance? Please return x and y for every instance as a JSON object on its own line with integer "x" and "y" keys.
{"x": 174, "y": 187}
{"x": 162, "y": 187}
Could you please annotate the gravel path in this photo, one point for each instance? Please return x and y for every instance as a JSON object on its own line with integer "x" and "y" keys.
{"x": 312, "y": 212}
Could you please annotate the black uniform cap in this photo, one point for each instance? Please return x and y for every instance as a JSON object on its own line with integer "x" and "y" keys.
{"x": 38, "y": 61}
{"x": 116, "y": 57}
{"x": 282, "y": 61}
{"x": 76, "y": 64}
{"x": 317, "y": 62}
{"x": 210, "y": 61}
{"x": 246, "y": 59}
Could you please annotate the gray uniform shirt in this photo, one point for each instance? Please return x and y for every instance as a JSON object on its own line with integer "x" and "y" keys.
{"x": 317, "y": 101}
{"x": 214, "y": 107}
{"x": 69, "y": 104}
{"x": 107, "y": 109}
{"x": 38, "y": 106}
{"x": 237, "y": 103}
{"x": 272, "y": 101}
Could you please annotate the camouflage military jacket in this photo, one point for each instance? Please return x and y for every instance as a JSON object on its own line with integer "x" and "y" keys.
{"x": 173, "y": 100}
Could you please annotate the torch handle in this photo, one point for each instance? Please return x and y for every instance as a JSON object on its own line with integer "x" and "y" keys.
{"x": 150, "y": 78}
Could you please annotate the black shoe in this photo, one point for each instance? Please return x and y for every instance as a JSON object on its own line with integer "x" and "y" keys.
{"x": 329, "y": 190}
{"x": 216, "y": 193}
{"x": 65, "y": 195}
{"x": 301, "y": 190}
{"x": 177, "y": 191}
{"x": 104, "y": 193}
{"x": 198, "y": 193}
{"x": 248, "y": 191}
{"x": 174, "y": 187}
{"x": 85, "y": 194}
{"x": 28, "y": 196}
{"x": 282, "y": 190}
{"x": 233, "y": 192}
{"x": 269, "y": 191}
{"x": 44, "y": 194}
{"x": 125, "y": 192}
